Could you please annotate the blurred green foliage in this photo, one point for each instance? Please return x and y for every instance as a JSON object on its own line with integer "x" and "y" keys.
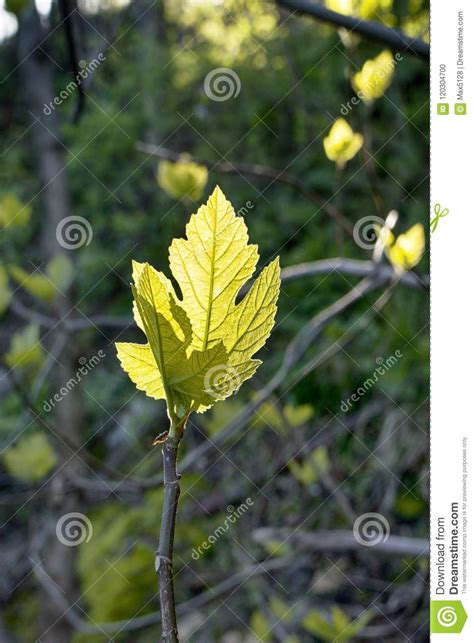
{"x": 295, "y": 77}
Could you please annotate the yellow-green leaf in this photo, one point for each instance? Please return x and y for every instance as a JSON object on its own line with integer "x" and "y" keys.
{"x": 57, "y": 278}
{"x": 342, "y": 143}
{"x": 211, "y": 265}
{"x": 374, "y": 77}
{"x": 339, "y": 628}
{"x": 182, "y": 179}
{"x": 366, "y": 9}
{"x": 25, "y": 348}
{"x": 200, "y": 348}
{"x": 406, "y": 251}
{"x": 35, "y": 283}
{"x": 31, "y": 458}
{"x": 60, "y": 271}
{"x": 13, "y": 214}
{"x": 163, "y": 368}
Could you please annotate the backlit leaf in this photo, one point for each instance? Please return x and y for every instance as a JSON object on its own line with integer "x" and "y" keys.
{"x": 25, "y": 348}
{"x": 182, "y": 179}
{"x": 57, "y": 277}
{"x": 13, "y": 214}
{"x": 406, "y": 251}
{"x": 374, "y": 77}
{"x": 200, "y": 348}
{"x": 31, "y": 458}
{"x": 342, "y": 143}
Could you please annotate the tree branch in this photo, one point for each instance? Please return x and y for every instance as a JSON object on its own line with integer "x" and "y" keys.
{"x": 342, "y": 541}
{"x": 350, "y": 267}
{"x": 293, "y": 353}
{"x": 393, "y": 38}
{"x": 260, "y": 171}
{"x": 164, "y": 556}
{"x": 67, "y": 22}
{"x": 133, "y": 624}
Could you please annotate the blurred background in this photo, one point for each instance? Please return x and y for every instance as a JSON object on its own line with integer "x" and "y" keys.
{"x": 304, "y": 506}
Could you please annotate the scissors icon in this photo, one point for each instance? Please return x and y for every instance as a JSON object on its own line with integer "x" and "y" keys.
{"x": 439, "y": 214}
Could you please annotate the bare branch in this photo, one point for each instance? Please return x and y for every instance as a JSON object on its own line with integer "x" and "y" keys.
{"x": 342, "y": 541}
{"x": 140, "y": 622}
{"x": 393, "y": 38}
{"x": 349, "y": 267}
{"x": 260, "y": 171}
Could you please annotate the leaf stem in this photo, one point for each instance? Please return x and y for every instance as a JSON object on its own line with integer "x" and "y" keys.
{"x": 164, "y": 555}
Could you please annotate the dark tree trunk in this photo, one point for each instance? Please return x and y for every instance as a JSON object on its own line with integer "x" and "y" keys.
{"x": 37, "y": 85}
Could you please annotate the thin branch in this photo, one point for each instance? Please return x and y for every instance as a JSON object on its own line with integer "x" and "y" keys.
{"x": 292, "y": 355}
{"x": 164, "y": 556}
{"x": 260, "y": 171}
{"x": 342, "y": 541}
{"x": 392, "y": 38}
{"x": 349, "y": 267}
{"x": 140, "y": 622}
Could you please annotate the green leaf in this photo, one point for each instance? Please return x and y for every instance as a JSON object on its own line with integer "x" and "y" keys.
{"x": 60, "y": 271}
{"x": 31, "y": 459}
{"x": 58, "y": 276}
{"x": 13, "y": 214}
{"x": 374, "y": 77}
{"x": 164, "y": 368}
{"x": 260, "y": 626}
{"x": 200, "y": 348}
{"x": 407, "y": 250}
{"x": 36, "y": 284}
{"x": 211, "y": 265}
{"x": 339, "y": 628}
{"x": 182, "y": 179}
{"x": 25, "y": 348}
{"x": 315, "y": 623}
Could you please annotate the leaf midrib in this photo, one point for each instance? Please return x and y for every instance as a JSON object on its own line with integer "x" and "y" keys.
{"x": 210, "y": 299}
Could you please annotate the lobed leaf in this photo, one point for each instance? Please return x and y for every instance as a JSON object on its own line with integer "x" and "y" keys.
{"x": 200, "y": 347}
